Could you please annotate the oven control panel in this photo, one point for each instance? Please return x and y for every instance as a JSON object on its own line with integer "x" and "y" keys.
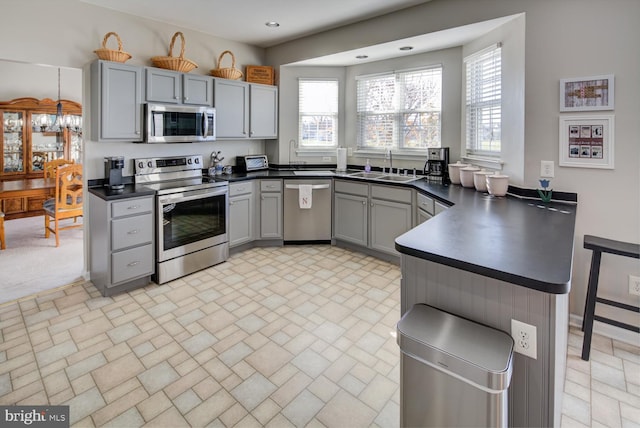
{"x": 167, "y": 164}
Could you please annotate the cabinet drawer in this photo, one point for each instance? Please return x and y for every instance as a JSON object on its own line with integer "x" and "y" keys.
{"x": 131, "y": 231}
{"x": 351, "y": 188}
{"x": 243, "y": 188}
{"x": 131, "y": 207}
{"x": 391, "y": 194}
{"x": 426, "y": 203}
{"x": 271, "y": 185}
{"x": 131, "y": 264}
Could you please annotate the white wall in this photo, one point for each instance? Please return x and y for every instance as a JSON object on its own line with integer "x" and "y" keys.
{"x": 20, "y": 80}
{"x": 563, "y": 38}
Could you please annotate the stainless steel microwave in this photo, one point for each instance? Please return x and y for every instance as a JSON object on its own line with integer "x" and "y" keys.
{"x": 166, "y": 123}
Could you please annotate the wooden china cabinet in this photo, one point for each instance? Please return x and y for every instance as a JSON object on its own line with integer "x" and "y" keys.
{"x": 29, "y": 139}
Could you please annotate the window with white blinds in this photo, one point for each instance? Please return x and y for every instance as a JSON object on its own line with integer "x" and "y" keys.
{"x": 400, "y": 110}
{"x": 317, "y": 113}
{"x": 484, "y": 102}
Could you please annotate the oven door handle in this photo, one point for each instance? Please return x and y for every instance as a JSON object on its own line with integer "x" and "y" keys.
{"x": 190, "y": 196}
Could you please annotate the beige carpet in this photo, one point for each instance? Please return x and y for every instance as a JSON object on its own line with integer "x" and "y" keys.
{"x": 32, "y": 264}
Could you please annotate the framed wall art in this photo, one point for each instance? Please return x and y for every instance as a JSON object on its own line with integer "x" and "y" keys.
{"x": 587, "y": 141}
{"x": 587, "y": 93}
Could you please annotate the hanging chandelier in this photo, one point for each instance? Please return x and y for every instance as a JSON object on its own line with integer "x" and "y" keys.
{"x": 59, "y": 123}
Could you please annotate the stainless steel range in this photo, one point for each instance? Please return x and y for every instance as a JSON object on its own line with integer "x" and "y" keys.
{"x": 191, "y": 215}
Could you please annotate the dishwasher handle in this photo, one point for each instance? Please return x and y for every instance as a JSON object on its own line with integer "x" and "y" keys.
{"x": 313, "y": 186}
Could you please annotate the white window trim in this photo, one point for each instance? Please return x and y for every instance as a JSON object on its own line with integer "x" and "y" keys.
{"x": 401, "y": 153}
{"x": 318, "y": 151}
{"x": 489, "y": 161}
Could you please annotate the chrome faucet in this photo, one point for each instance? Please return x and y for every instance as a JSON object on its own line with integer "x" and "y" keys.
{"x": 389, "y": 156}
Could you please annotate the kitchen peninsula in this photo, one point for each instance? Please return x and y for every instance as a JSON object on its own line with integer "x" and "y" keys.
{"x": 492, "y": 260}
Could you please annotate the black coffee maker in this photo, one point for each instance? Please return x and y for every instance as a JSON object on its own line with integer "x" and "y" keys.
{"x": 113, "y": 166}
{"x": 436, "y": 168}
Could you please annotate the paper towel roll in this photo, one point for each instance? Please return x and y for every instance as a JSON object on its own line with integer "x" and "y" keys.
{"x": 342, "y": 159}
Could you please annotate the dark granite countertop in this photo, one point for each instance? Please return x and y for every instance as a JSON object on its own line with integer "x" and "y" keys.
{"x": 129, "y": 191}
{"x": 520, "y": 241}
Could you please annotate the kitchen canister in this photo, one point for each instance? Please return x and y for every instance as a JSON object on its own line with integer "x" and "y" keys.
{"x": 466, "y": 175}
{"x": 480, "y": 180}
{"x": 497, "y": 184}
{"x": 454, "y": 171}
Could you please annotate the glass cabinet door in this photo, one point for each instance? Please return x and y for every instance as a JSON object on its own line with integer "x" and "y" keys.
{"x": 74, "y": 129}
{"x": 46, "y": 144}
{"x": 13, "y": 142}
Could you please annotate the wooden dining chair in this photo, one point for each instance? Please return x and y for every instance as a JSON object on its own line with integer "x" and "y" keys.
{"x": 50, "y": 167}
{"x": 3, "y": 244}
{"x": 67, "y": 202}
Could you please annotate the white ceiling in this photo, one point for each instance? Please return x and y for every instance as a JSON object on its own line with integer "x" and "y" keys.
{"x": 244, "y": 20}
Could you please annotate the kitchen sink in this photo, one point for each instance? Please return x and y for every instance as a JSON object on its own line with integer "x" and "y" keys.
{"x": 369, "y": 175}
{"x": 399, "y": 178}
{"x": 313, "y": 173}
{"x": 379, "y": 176}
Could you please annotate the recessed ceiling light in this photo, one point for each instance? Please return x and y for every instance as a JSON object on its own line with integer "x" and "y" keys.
{"x": 272, "y": 24}
{"x": 362, "y": 56}
{"x": 406, "y": 48}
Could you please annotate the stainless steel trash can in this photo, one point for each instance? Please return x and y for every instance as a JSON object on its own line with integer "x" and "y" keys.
{"x": 453, "y": 372}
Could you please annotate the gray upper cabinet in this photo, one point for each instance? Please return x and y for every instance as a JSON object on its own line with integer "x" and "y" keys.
{"x": 245, "y": 110}
{"x": 264, "y": 111}
{"x": 172, "y": 87}
{"x": 231, "y": 100}
{"x": 116, "y": 101}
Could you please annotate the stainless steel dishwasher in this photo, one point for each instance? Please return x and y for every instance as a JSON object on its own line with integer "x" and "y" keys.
{"x": 307, "y": 225}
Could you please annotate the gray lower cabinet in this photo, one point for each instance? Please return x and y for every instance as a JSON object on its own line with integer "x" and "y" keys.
{"x": 351, "y": 219}
{"x": 371, "y": 215}
{"x": 121, "y": 243}
{"x": 427, "y": 207}
{"x": 116, "y": 101}
{"x": 271, "y": 209}
{"x": 241, "y": 213}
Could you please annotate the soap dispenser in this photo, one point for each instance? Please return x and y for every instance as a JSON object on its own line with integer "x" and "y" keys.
{"x": 367, "y": 166}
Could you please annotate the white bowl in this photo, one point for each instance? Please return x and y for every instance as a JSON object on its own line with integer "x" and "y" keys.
{"x": 480, "y": 180}
{"x": 454, "y": 171}
{"x": 497, "y": 184}
{"x": 466, "y": 175}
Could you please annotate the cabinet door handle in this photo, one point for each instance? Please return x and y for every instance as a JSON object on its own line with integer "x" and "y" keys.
{"x": 133, "y": 207}
{"x": 371, "y": 203}
{"x": 186, "y": 98}
{"x": 132, "y": 264}
{"x": 364, "y": 202}
{"x": 133, "y": 232}
{"x": 230, "y": 202}
{"x": 262, "y": 198}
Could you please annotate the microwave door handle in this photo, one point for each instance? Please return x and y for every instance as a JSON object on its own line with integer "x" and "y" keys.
{"x": 205, "y": 124}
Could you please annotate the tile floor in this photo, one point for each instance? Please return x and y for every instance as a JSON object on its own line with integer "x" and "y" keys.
{"x": 293, "y": 336}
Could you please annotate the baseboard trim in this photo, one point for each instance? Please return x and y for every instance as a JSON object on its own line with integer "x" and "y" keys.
{"x": 610, "y": 331}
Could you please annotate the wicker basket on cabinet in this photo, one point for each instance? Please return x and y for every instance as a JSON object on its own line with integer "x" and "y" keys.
{"x": 112, "y": 54}
{"x": 171, "y": 62}
{"x": 227, "y": 72}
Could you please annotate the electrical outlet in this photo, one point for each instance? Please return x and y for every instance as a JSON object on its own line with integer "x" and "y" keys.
{"x": 326, "y": 159}
{"x": 546, "y": 169}
{"x": 634, "y": 285}
{"x": 524, "y": 336}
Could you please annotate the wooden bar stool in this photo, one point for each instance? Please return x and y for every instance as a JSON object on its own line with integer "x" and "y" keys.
{"x": 599, "y": 246}
{"x": 3, "y": 244}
